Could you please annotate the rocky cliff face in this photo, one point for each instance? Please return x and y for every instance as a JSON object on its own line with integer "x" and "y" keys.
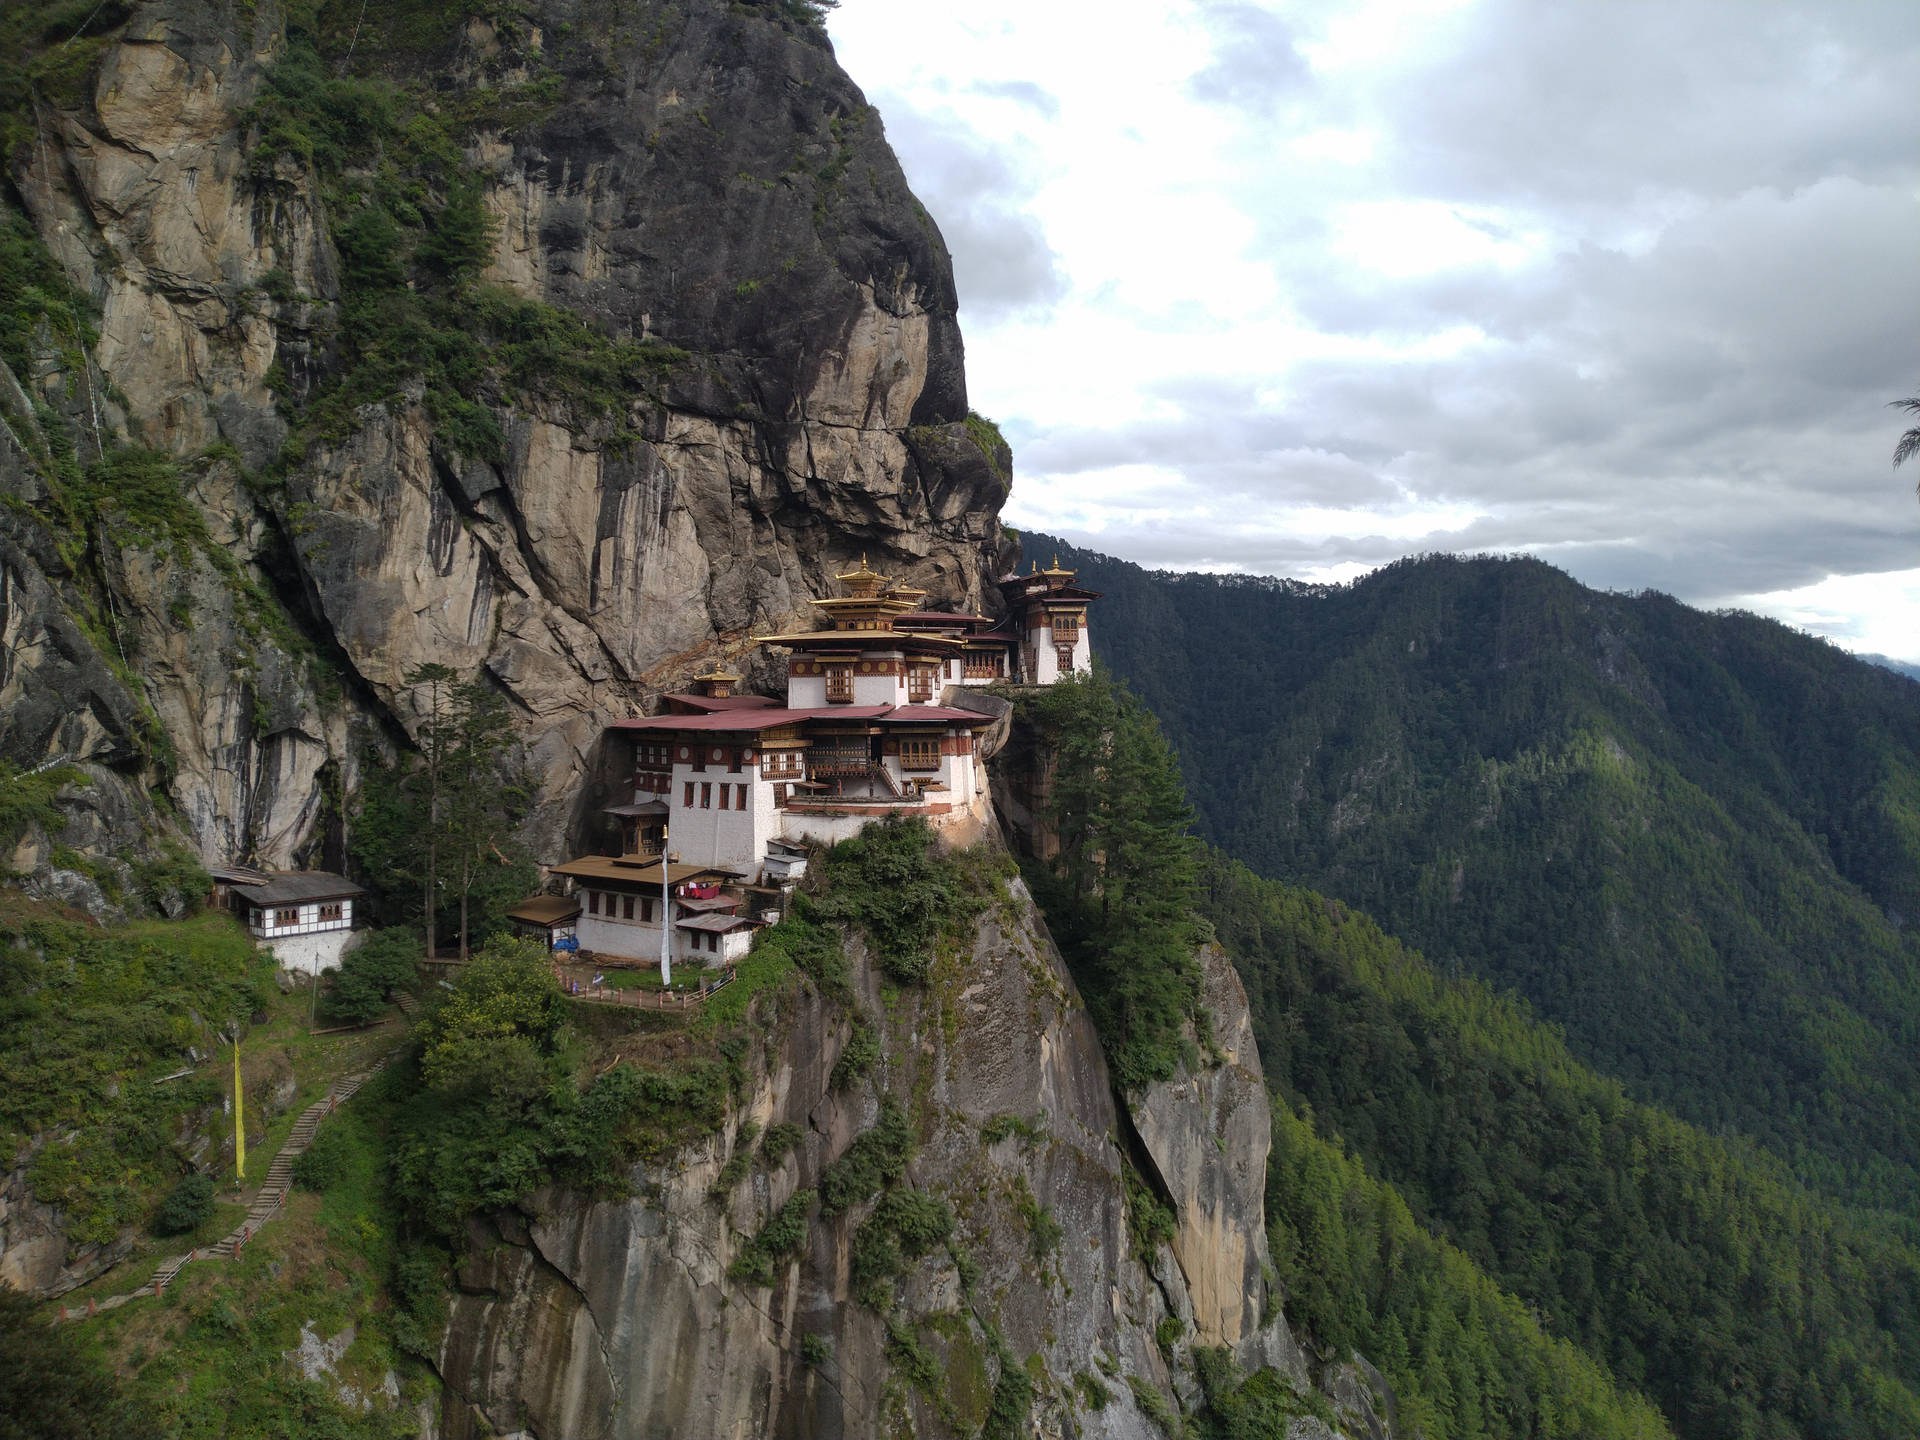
{"x": 696, "y": 174}
{"x": 618, "y": 1320}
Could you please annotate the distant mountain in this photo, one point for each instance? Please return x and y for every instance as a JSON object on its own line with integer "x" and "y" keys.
{"x": 1886, "y": 662}
{"x": 1690, "y": 840}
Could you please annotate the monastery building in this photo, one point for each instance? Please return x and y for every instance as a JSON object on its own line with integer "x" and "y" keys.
{"x": 728, "y": 790}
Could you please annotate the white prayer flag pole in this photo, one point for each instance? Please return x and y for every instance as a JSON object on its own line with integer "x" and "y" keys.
{"x": 666, "y": 918}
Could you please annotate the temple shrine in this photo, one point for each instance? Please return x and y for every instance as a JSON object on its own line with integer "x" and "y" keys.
{"x": 728, "y": 790}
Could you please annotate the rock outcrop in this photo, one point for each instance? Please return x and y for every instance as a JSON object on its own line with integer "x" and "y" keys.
{"x": 618, "y": 1320}
{"x": 708, "y": 179}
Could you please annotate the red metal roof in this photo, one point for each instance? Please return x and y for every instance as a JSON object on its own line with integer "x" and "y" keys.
{"x": 712, "y": 703}
{"x": 932, "y": 715}
{"x": 751, "y": 721}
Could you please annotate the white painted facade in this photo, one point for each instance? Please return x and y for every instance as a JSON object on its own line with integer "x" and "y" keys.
{"x": 700, "y": 830}
{"x": 314, "y": 951}
{"x": 638, "y": 939}
{"x": 275, "y": 922}
{"x": 1044, "y": 652}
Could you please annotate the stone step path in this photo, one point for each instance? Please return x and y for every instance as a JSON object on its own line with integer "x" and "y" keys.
{"x": 267, "y": 1201}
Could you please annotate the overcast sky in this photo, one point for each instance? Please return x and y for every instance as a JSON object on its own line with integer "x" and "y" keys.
{"x": 1298, "y": 289}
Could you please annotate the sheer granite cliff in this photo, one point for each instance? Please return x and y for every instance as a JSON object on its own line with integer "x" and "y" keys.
{"x": 698, "y": 176}
{"x": 616, "y": 1320}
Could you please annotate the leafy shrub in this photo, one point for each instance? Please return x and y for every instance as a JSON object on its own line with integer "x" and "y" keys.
{"x": 1167, "y": 1334}
{"x": 325, "y": 1162}
{"x": 731, "y": 1174}
{"x": 1150, "y": 1221}
{"x": 1093, "y": 1390}
{"x": 779, "y": 1238}
{"x": 1006, "y": 1125}
{"x": 779, "y": 1142}
{"x": 815, "y": 1351}
{"x": 862, "y": 1052}
{"x": 26, "y": 799}
{"x": 53, "y": 1382}
{"x": 1012, "y": 1401}
{"x": 386, "y": 960}
{"x": 887, "y": 881}
{"x": 876, "y": 1157}
{"x": 1043, "y": 1230}
{"x": 173, "y": 880}
{"x": 187, "y": 1207}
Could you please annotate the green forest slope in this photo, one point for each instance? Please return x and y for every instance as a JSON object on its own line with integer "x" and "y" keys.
{"x": 1691, "y": 840}
{"x": 1698, "y": 1273}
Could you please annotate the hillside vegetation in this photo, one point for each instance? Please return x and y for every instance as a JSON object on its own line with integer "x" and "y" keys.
{"x": 1698, "y": 1272}
{"x": 1690, "y": 840}
{"x": 1467, "y": 1359}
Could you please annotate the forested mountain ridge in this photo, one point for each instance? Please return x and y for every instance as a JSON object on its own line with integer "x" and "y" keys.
{"x": 1692, "y": 840}
{"x": 1695, "y": 1270}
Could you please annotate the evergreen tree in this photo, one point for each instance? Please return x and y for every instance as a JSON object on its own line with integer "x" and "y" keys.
{"x": 1119, "y": 891}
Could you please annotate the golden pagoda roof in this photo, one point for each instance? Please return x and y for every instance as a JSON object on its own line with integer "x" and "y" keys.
{"x": 719, "y": 675}
{"x": 865, "y": 582}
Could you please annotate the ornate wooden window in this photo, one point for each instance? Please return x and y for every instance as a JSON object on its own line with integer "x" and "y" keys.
{"x": 740, "y": 797}
{"x": 1064, "y": 653}
{"x": 331, "y": 910}
{"x": 920, "y": 684}
{"x": 706, "y": 794}
{"x": 286, "y": 917}
{"x": 593, "y": 902}
{"x": 686, "y": 798}
{"x": 626, "y": 907}
{"x": 646, "y": 907}
{"x": 839, "y": 684}
{"x": 920, "y": 752}
{"x": 1065, "y": 625}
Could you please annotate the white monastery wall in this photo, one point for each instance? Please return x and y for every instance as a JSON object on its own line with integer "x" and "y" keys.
{"x": 316, "y": 951}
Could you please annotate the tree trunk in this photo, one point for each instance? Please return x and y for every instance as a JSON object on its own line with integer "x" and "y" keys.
{"x": 426, "y": 913}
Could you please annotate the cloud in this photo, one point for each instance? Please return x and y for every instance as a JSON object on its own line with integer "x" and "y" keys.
{"x": 977, "y": 192}
{"x": 1254, "y": 64}
{"x": 1627, "y": 286}
{"x": 1021, "y": 92}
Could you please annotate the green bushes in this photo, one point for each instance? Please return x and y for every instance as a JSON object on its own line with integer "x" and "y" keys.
{"x": 327, "y": 1159}
{"x": 778, "y": 1142}
{"x": 862, "y": 1053}
{"x": 497, "y": 1110}
{"x": 904, "y": 1226}
{"x": 188, "y": 1206}
{"x": 53, "y": 1384}
{"x": 877, "y": 1157}
{"x": 1119, "y": 895}
{"x": 780, "y": 1238}
{"x": 26, "y": 799}
{"x": 385, "y": 961}
{"x": 887, "y": 881}
{"x": 1150, "y": 1220}
{"x": 1006, "y": 1125}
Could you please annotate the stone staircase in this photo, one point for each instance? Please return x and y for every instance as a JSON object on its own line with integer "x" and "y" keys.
{"x": 272, "y": 1193}
{"x": 267, "y": 1201}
